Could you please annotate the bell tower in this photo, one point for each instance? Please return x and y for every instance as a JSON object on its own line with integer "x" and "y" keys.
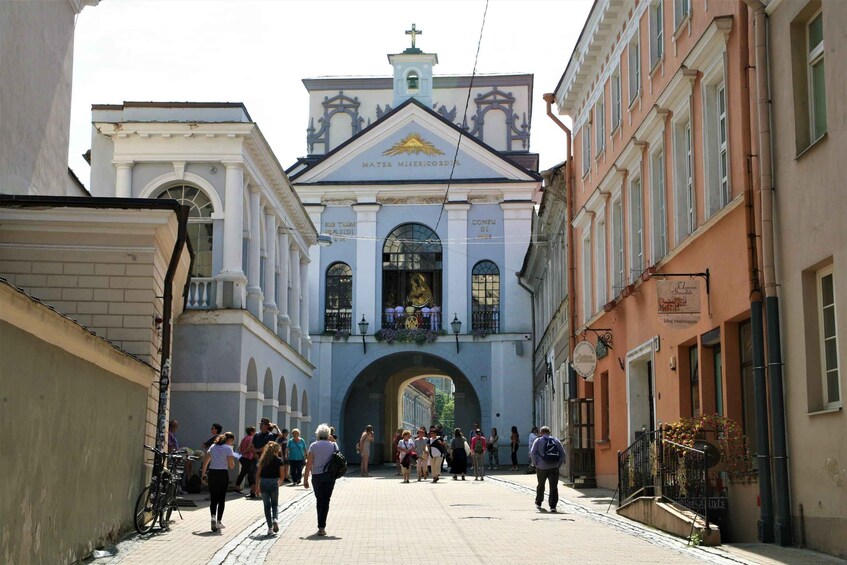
{"x": 413, "y": 73}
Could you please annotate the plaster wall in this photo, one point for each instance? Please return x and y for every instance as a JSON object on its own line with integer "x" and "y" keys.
{"x": 36, "y": 42}
{"x": 810, "y": 205}
{"x": 58, "y": 516}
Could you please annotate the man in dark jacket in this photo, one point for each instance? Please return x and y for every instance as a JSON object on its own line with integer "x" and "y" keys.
{"x": 547, "y": 454}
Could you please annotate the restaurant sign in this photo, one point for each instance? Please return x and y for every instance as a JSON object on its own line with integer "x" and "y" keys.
{"x": 584, "y": 359}
{"x": 679, "y": 302}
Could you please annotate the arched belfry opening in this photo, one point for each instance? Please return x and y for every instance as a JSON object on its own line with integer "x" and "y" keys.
{"x": 407, "y": 380}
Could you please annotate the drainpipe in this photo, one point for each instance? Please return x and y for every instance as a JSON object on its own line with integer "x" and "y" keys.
{"x": 532, "y": 301}
{"x": 766, "y": 188}
{"x": 549, "y": 98}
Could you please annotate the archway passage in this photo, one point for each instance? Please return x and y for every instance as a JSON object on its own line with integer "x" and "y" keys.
{"x": 376, "y": 398}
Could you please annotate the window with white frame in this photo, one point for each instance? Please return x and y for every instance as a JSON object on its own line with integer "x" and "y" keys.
{"x": 618, "y": 273}
{"x": 658, "y": 204}
{"x": 657, "y": 32}
{"x": 828, "y": 337}
{"x": 586, "y": 148}
{"x": 616, "y": 99}
{"x": 586, "y": 276}
{"x": 600, "y": 123}
{"x": 686, "y": 219}
{"x": 600, "y": 262}
{"x": 681, "y": 11}
{"x": 634, "y": 68}
{"x": 636, "y": 229}
{"x": 716, "y": 156}
{"x": 815, "y": 70}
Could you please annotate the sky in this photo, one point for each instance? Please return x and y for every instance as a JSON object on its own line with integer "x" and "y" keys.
{"x": 258, "y": 52}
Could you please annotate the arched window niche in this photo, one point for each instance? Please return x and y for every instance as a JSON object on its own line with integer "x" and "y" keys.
{"x": 412, "y": 81}
{"x": 485, "y": 294}
{"x": 200, "y": 226}
{"x": 411, "y": 278}
{"x": 338, "y": 299}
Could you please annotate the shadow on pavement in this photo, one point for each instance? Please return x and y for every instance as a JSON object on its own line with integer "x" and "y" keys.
{"x": 207, "y": 534}
{"x": 316, "y": 537}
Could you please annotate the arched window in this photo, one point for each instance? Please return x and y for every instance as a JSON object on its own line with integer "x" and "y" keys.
{"x": 338, "y": 307}
{"x": 411, "y": 278}
{"x": 412, "y": 81}
{"x": 485, "y": 292}
{"x": 199, "y": 225}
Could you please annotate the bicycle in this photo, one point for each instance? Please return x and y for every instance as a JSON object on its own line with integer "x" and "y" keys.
{"x": 159, "y": 499}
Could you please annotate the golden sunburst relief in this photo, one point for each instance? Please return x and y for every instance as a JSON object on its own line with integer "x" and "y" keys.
{"x": 412, "y": 144}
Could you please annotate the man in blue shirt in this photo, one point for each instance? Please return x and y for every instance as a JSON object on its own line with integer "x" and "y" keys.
{"x": 547, "y": 455}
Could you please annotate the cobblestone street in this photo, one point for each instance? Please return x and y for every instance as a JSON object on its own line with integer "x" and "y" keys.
{"x": 373, "y": 520}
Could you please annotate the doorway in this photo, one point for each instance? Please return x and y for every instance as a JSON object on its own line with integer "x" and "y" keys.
{"x": 640, "y": 385}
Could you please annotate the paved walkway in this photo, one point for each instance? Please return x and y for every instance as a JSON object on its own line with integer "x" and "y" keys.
{"x": 378, "y": 519}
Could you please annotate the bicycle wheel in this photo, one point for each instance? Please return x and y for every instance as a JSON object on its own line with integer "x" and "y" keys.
{"x": 168, "y": 506}
{"x": 145, "y": 512}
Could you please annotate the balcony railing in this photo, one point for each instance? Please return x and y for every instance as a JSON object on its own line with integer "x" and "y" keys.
{"x": 338, "y": 320}
{"x": 430, "y": 320}
{"x": 484, "y": 321}
{"x": 201, "y": 293}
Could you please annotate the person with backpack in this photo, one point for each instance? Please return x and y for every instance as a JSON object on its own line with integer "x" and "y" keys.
{"x": 320, "y": 453}
{"x": 478, "y": 455}
{"x": 547, "y": 455}
{"x": 437, "y": 450}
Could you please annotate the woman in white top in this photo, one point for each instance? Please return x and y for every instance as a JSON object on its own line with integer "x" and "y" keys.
{"x": 404, "y": 448}
{"x": 219, "y": 459}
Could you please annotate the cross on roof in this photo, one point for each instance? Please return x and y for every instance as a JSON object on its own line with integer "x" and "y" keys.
{"x": 413, "y": 32}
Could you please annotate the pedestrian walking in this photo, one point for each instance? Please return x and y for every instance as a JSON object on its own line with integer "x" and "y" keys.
{"x": 364, "y": 449}
{"x": 458, "y": 454}
{"x": 319, "y": 454}
{"x": 406, "y": 452}
{"x": 547, "y": 455}
{"x": 247, "y": 459}
{"x": 173, "y": 443}
{"x": 437, "y": 449}
{"x": 296, "y": 456}
{"x": 515, "y": 444}
{"x": 268, "y": 432}
{"x": 493, "y": 450}
{"x": 219, "y": 459}
{"x": 478, "y": 455}
{"x": 271, "y": 473}
{"x": 421, "y": 443}
{"x": 282, "y": 440}
{"x": 533, "y": 435}
{"x": 216, "y": 431}
{"x": 394, "y": 453}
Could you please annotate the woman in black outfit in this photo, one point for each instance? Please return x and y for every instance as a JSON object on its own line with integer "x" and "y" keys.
{"x": 516, "y": 439}
{"x": 458, "y": 455}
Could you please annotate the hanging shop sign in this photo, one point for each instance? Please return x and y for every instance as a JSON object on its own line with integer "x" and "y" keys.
{"x": 679, "y": 302}
{"x": 584, "y": 359}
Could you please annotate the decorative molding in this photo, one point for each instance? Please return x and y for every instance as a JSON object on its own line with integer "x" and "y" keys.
{"x": 496, "y": 99}
{"x": 338, "y": 104}
{"x": 209, "y": 190}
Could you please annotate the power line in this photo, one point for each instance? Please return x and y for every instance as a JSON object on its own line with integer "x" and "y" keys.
{"x": 464, "y": 117}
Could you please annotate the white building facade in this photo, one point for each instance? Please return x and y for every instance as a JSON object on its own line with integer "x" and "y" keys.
{"x": 430, "y": 214}
{"x": 242, "y": 349}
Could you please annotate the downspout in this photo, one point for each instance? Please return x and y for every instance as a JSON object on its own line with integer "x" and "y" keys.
{"x": 766, "y": 189}
{"x": 167, "y": 310}
{"x": 532, "y": 301}
{"x": 549, "y": 98}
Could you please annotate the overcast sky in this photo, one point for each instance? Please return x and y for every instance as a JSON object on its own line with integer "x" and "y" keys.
{"x": 257, "y": 52}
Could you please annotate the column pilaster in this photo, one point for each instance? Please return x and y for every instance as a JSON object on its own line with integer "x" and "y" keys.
{"x": 254, "y": 260}
{"x": 517, "y": 229}
{"x": 294, "y": 298}
{"x": 305, "y": 338}
{"x": 123, "y": 179}
{"x": 231, "y": 277}
{"x": 456, "y": 297}
{"x": 270, "y": 308}
{"x": 365, "y": 303}
{"x": 283, "y": 321}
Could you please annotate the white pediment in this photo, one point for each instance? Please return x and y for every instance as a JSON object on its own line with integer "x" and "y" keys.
{"x": 412, "y": 144}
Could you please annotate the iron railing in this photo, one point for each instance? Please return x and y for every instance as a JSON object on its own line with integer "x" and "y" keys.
{"x": 485, "y": 321}
{"x": 338, "y": 320}
{"x": 419, "y": 319}
{"x": 685, "y": 477}
{"x": 637, "y": 466}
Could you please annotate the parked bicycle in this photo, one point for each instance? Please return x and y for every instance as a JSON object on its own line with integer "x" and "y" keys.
{"x": 159, "y": 499}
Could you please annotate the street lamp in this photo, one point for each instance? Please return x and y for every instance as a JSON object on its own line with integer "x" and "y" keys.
{"x": 457, "y": 327}
{"x": 324, "y": 240}
{"x": 363, "y": 329}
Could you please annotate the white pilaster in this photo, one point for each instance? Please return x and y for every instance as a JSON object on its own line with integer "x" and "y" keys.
{"x": 284, "y": 273}
{"x": 456, "y": 297}
{"x": 123, "y": 180}
{"x": 270, "y": 311}
{"x": 365, "y": 303}
{"x": 232, "y": 277}
{"x": 305, "y": 339}
{"x": 517, "y": 228}
{"x": 294, "y": 298}
{"x": 254, "y": 289}
{"x": 315, "y": 275}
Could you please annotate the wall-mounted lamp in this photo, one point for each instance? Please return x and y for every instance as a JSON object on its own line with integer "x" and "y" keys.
{"x": 363, "y": 329}
{"x": 324, "y": 240}
{"x": 457, "y": 327}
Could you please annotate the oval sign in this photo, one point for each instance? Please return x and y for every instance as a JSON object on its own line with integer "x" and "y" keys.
{"x": 584, "y": 359}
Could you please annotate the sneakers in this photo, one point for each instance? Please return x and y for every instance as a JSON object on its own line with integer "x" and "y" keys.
{"x": 214, "y": 525}
{"x": 553, "y": 510}
{"x": 463, "y": 477}
{"x": 275, "y": 526}
{"x": 321, "y": 532}
{"x": 221, "y": 526}
{"x": 270, "y": 531}
{"x": 538, "y": 506}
